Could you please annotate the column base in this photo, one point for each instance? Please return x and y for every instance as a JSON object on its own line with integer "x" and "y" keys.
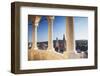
{"x": 35, "y": 48}
{"x": 71, "y": 55}
{"x": 70, "y": 51}
{"x": 50, "y": 49}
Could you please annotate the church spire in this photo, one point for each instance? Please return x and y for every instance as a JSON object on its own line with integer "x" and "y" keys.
{"x": 64, "y": 37}
{"x": 64, "y": 41}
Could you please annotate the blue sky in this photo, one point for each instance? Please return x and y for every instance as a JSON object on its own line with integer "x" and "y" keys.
{"x": 59, "y": 28}
{"x": 81, "y": 28}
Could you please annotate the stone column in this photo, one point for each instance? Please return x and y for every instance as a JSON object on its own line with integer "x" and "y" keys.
{"x": 34, "y": 36}
{"x": 70, "y": 34}
{"x": 33, "y": 32}
{"x": 50, "y": 33}
{"x": 35, "y": 24}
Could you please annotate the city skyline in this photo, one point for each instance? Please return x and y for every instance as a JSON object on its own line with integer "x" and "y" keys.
{"x": 59, "y": 28}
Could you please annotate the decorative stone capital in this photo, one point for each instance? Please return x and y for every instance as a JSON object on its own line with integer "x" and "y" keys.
{"x": 37, "y": 20}
{"x": 52, "y": 17}
{"x": 36, "y": 24}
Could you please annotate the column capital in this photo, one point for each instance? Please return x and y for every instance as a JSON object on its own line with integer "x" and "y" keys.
{"x": 36, "y": 24}
{"x": 37, "y": 20}
{"x": 52, "y": 17}
{"x": 49, "y": 18}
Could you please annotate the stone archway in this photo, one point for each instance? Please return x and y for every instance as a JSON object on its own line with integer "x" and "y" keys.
{"x": 35, "y": 24}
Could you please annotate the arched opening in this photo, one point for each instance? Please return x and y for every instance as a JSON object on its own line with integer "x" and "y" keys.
{"x": 59, "y": 29}
{"x": 81, "y": 35}
{"x": 42, "y": 34}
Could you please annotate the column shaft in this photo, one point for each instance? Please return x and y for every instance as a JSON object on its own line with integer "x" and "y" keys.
{"x": 35, "y": 47}
{"x": 33, "y": 35}
{"x": 70, "y": 34}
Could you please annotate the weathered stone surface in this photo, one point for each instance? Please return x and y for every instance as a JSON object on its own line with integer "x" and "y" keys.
{"x": 44, "y": 55}
{"x": 50, "y": 55}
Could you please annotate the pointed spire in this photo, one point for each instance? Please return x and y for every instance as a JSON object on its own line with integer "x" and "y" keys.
{"x": 63, "y": 36}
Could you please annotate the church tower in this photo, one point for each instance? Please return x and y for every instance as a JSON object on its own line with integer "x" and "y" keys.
{"x": 57, "y": 45}
{"x": 57, "y": 42}
{"x": 64, "y": 42}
